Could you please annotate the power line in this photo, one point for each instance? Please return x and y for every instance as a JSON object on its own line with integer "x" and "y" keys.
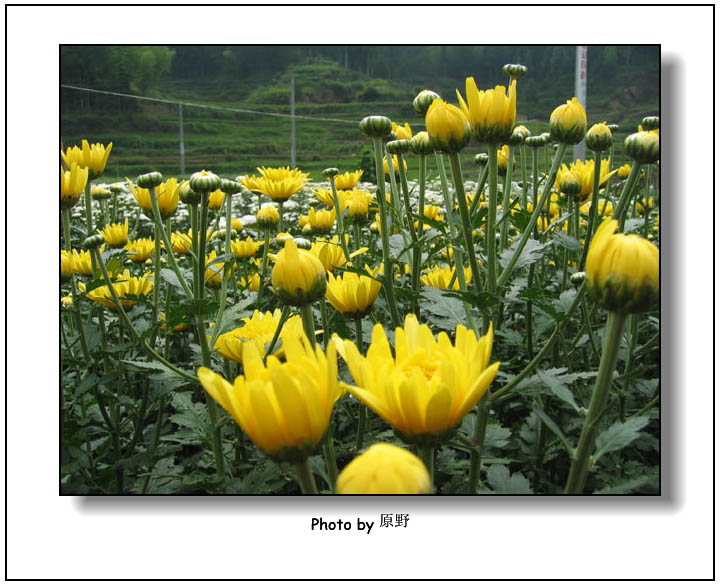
{"x": 208, "y": 107}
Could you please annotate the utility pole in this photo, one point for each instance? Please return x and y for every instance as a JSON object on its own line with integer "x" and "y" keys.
{"x": 580, "y": 91}
{"x": 292, "y": 121}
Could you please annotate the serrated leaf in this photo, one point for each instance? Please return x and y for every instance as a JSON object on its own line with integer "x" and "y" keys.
{"x": 502, "y": 482}
{"x": 558, "y": 388}
{"x": 170, "y": 277}
{"x": 531, "y": 253}
{"x": 624, "y": 487}
{"x": 619, "y": 435}
{"x": 442, "y": 311}
{"x": 550, "y": 423}
{"x": 566, "y": 241}
{"x": 164, "y": 373}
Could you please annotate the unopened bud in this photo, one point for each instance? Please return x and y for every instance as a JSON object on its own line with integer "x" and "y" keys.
{"x": 149, "y": 180}
{"x": 204, "y": 182}
{"x": 535, "y": 141}
{"x": 230, "y": 187}
{"x": 302, "y": 243}
{"x": 94, "y": 241}
{"x": 188, "y": 196}
{"x": 422, "y": 101}
{"x": 577, "y": 278}
{"x": 398, "y": 146}
{"x": 481, "y": 159}
{"x": 644, "y": 147}
{"x": 515, "y": 70}
{"x": 599, "y": 137}
{"x": 330, "y": 172}
{"x": 376, "y": 126}
{"x": 420, "y": 143}
{"x": 650, "y": 123}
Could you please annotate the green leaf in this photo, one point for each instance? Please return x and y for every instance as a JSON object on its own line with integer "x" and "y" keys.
{"x": 627, "y": 486}
{"x": 567, "y": 241}
{"x": 170, "y": 277}
{"x": 164, "y": 373}
{"x": 558, "y": 388}
{"x": 531, "y": 253}
{"x": 619, "y": 435}
{"x": 550, "y": 423}
{"x": 442, "y": 311}
{"x": 502, "y": 482}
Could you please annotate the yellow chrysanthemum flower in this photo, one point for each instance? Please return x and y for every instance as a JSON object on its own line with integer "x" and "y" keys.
{"x": 282, "y": 189}
{"x": 331, "y": 254}
{"x": 280, "y": 173}
{"x": 352, "y": 294}
{"x": 585, "y": 171}
{"x": 141, "y": 249}
{"x": 124, "y": 285}
{"x": 216, "y": 200}
{"x": 447, "y": 126}
{"x": 213, "y": 271}
{"x": 94, "y": 157}
{"x": 491, "y": 112}
{"x": 166, "y": 193}
{"x": 252, "y": 282}
{"x": 82, "y": 263}
{"x": 298, "y": 276}
{"x": 384, "y": 469}
{"x": 624, "y": 171}
{"x": 245, "y": 248}
{"x": 236, "y": 224}
{"x": 402, "y": 132}
{"x": 66, "y": 265}
{"x": 321, "y": 222}
{"x": 258, "y": 329}
{"x": 568, "y": 122}
{"x": 623, "y": 270}
{"x": 116, "y": 234}
{"x": 432, "y": 212}
{"x": 284, "y": 407}
{"x": 348, "y": 180}
{"x": 395, "y": 163}
{"x": 250, "y": 182}
{"x": 72, "y": 185}
{"x": 441, "y": 276}
{"x": 429, "y": 385}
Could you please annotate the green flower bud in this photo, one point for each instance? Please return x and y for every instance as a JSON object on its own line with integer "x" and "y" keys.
{"x": 398, "y": 146}
{"x": 302, "y": 243}
{"x": 330, "y": 172}
{"x": 100, "y": 193}
{"x": 420, "y": 144}
{"x": 568, "y": 122}
{"x": 116, "y": 188}
{"x": 230, "y": 187}
{"x": 577, "y": 278}
{"x": 204, "y": 182}
{"x": 516, "y": 138}
{"x": 422, "y": 101}
{"x": 94, "y": 241}
{"x": 599, "y": 137}
{"x": 534, "y": 141}
{"x": 644, "y": 147}
{"x": 481, "y": 159}
{"x": 650, "y": 123}
{"x": 613, "y": 127}
{"x": 515, "y": 70}
{"x": 149, "y": 180}
{"x": 188, "y": 196}
{"x": 546, "y": 137}
{"x": 376, "y": 126}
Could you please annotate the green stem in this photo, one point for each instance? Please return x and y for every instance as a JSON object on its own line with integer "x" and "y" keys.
{"x": 283, "y": 317}
{"x": 330, "y": 458}
{"x": 305, "y": 477}
{"x": 524, "y": 176}
{"x": 533, "y": 219}
{"x": 481, "y": 419}
{"x": 384, "y": 236}
{"x": 593, "y": 210}
{"x": 581, "y": 458}
{"x": 339, "y": 221}
{"x": 492, "y": 215}
{"x": 362, "y": 415}
{"x": 415, "y": 260}
{"x": 280, "y": 213}
{"x": 427, "y": 454}
{"x": 325, "y": 321}
{"x": 507, "y": 184}
{"x": 263, "y": 266}
{"x": 308, "y": 322}
{"x": 621, "y": 207}
{"x": 89, "y": 221}
{"x": 156, "y": 286}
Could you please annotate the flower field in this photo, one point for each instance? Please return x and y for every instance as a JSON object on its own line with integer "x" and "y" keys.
{"x": 462, "y": 326}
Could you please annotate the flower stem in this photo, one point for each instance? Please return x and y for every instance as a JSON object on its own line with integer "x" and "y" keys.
{"x": 626, "y": 195}
{"x": 593, "y": 210}
{"x": 263, "y": 266}
{"x": 308, "y": 322}
{"x": 479, "y": 190}
{"x": 384, "y": 236}
{"x": 502, "y": 279}
{"x": 427, "y": 454}
{"x": 339, "y": 223}
{"x": 156, "y": 286}
{"x": 507, "y": 184}
{"x": 283, "y": 317}
{"x": 89, "y": 221}
{"x": 305, "y": 477}
{"x": 481, "y": 419}
{"x": 492, "y": 214}
{"x": 581, "y": 458}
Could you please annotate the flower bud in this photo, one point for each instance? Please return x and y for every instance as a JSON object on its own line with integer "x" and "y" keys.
{"x": 623, "y": 270}
{"x": 515, "y": 70}
{"x": 481, "y": 159}
{"x": 267, "y": 217}
{"x": 516, "y": 138}
{"x": 522, "y": 130}
{"x": 149, "y": 180}
{"x": 650, "y": 123}
{"x": 423, "y": 100}
{"x": 577, "y": 278}
{"x": 376, "y": 126}
{"x": 547, "y": 137}
{"x": 116, "y": 188}
{"x": 568, "y": 122}
{"x": 187, "y": 195}
{"x": 447, "y": 126}
{"x": 302, "y": 243}
{"x": 398, "y": 146}
{"x": 230, "y": 187}
{"x": 100, "y": 193}
{"x": 569, "y": 183}
{"x": 204, "y": 182}
{"x": 384, "y": 469}
{"x": 298, "y": 277}
{"x": 330, "y": 172}
{"x": 644, "y": 147}
{"x": 94, "y": 241}
{"x": 535, "y": 141}
{"x": 599, "y": 137}
{"x": 307, "y": 230}
{"x": 613, "y": 127}
{"x": 420, "y": 144}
